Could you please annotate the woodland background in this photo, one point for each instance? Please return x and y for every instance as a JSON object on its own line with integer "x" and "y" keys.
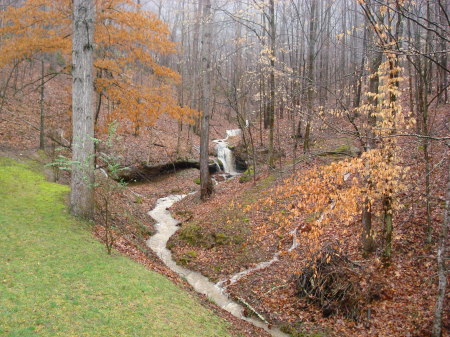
{"x": 343, "y": 107}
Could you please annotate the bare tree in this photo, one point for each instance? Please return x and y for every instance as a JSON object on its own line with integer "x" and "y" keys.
{"x": 271, "y": 106}
{"x": 42, "y": 107}
{"x": 442, "y": 267}
{"x": 311, "y": 73}
{"x": 205, "y": 178}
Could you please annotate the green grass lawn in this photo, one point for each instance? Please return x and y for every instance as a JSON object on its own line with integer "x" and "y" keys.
{"x": 56, "y": 280}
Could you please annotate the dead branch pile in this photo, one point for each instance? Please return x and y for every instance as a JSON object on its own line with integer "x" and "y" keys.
{"x": 332, "y": 281}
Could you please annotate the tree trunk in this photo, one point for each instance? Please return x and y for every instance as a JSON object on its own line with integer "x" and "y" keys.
{"x": 196, "y": 102}
{"x": 442, "y": 267}
{"x": 443, "y": 86}
{"x": 310, "y": 93}
{"x": 82, "y": 193}
{"x": 205, "y": 178}
{"x": 42, "y": 111}
{"x": 375, "y": 58}
{"x": 387, "y": 199}
{"x": 271, "y": 107}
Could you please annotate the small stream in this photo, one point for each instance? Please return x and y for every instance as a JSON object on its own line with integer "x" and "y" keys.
{"x": 167, "y": 226}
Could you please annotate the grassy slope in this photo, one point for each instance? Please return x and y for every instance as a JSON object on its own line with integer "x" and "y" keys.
{"x": 56, "y": 280}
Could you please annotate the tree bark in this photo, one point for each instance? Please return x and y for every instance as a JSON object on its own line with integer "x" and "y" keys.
{"x": 375, "y": 58}
{"x": 42, "y": 108}
{"x": 82, "y": 193}
{"x": 271, "y": 107}
{"x": 443, "y": 89}
{"x": 442, "y": 267}
{"x": 205, "y": 178}
{"x": 387, "y": 199}
{"x": 311, "y": 73}
{"x": 196, "y": 102}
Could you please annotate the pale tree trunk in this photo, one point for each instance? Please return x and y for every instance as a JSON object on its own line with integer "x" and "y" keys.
{"x": 311, "y": 73}
{"x": 42, "y": 110}
{"x": 425, "y": 131}
{"x": 443, "y": 83}
{"x": 196, "y": 102}
{"x": 442, "y": 267}
{"x": 262, "y": 109}
{"x": 263, "y": 76}
{"x": 181, "y": 70}
{"x": 205, "y": 178}
{"x": 82, "y": 193}
{"x": 410, "y": 72}
{"x": 271, "y": 107}
{"x": 343, "y": 58}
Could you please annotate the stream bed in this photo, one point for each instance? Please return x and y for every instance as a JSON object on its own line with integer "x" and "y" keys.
{"x": 165, "y": 227}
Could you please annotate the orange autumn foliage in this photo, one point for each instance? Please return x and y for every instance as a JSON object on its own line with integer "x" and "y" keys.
{"x": 36, "y": 26}
{"x": 312, "y": 199}
{"x": 128, "y": 43}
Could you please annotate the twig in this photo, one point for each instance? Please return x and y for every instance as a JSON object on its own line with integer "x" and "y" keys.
{"x": 261, "y": 317}
{"x": 275, "y": 287}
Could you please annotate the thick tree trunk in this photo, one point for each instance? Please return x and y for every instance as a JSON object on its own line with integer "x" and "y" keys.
{"x": 205, "y": 178}
{"x": 82, "y": 194}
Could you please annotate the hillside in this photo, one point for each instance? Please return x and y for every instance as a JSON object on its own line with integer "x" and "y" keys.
{"x": 58, "y": 281}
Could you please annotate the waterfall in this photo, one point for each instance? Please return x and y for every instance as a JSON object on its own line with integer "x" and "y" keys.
{"x": 233, "y": 133}
{"x": 224, "y": 154}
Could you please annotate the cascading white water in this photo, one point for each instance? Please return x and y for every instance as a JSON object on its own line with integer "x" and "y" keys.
{"x": 165, "y": 228}
{"x": 224, "y": 154}
{"x": 233, "y": 133}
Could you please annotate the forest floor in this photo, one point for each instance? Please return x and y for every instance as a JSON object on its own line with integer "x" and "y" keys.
{"x": 220, "y": 238}
{"x": 223, "y": 236}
